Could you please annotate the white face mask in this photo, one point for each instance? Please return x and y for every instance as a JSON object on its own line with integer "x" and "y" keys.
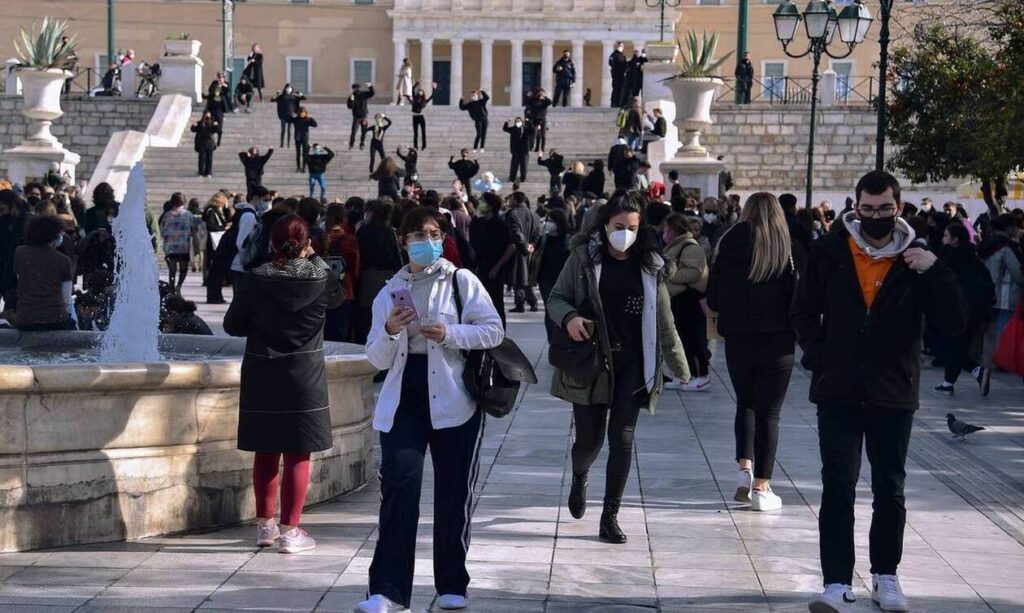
{"x": 710, "y": 217}
{"x": 621, "y": 240}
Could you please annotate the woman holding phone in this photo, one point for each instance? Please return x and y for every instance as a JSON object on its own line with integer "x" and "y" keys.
{"x": 418, "y": 337}
{"x": 612, "y": 286}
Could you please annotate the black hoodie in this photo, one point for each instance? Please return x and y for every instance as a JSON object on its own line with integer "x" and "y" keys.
{"x": 477, "y": 108}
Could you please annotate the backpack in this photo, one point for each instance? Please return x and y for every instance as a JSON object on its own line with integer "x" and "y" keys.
{"x": 227, "y": 248}
{"x": 620, "y": 119}
{"x": 337, "y": 264}
{"x": 255, "y": 247}
{"x": 493, "y": 376}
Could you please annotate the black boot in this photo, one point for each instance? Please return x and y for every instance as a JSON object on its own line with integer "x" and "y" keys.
{"x": 610, "y": 531}
{"x": 578, "y": 496}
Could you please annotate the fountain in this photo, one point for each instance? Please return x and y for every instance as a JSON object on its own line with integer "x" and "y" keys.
{"x": 130, "y": 442}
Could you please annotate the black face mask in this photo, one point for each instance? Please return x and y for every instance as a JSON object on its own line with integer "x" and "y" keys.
{"x": 33, "y": 200}
{"x": 878, "y": 228}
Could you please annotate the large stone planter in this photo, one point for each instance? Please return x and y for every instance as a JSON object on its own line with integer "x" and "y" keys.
{"x": 189, "y": 48}
{"x": 40, "y": 90}
{"x": 693, "y": 98}
{"x": 95, "y": 452}
{"x": 182, "y": 69}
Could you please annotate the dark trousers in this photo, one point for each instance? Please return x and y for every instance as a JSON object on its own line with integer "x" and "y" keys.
{"x": 561, "y": 93}
{"x": 467, "y": 182}
{"x": 957, "y": 354}
{"x": 286, "y": 133}
{"x": 496, "y": 290}
{"x": 540, "y": 138}
{"x": 524, "y": 295}
{"x": 518, "y": 165}
{"x": 743, "y": 91}
{"x": 205, "y": 162}
{"x": 251, "y": 183}
{"x": 376, "y": 148}
{"x": 215, "y": 283}
{"x": 592, "y": 421}
{"x": 301, "y": 151}
{"x": 760, "y": 366}
{"x": 545, "y": 292}
{"x": 555, "y": 183}
{"x": 455, "y": 453}
{"x": 218, "y": 116}
{"x": 616, "y": 91}
{"x": 480, "y": 141}
{"x": 357, "y": 123}
{"x": 692, "y": 327}
{"x": 245, "y": 100}
{"x": 337, "y": 323}
{"x": 419, "y": 126}
{"x": 886, "y": 434}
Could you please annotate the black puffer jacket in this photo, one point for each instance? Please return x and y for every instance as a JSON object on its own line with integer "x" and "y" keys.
{"x": 283, "y": 405}
{"x": 743, "y": 306}
{"x": 869, "y": 357}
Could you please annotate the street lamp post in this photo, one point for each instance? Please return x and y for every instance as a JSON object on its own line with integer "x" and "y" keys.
{"x": 111, "y": 54}
{"x": 884, "y": 11}
{"x": 821, "y": 23}
{"x": 663, "y": 3}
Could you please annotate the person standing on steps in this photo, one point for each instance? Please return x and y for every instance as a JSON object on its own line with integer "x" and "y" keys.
{"x": 403, "y": 88}
{"x": 857, "y": 314}
{"x": 751, "y": 288}
{"x": 357, "y": 103}
{"x": 243, "y": 94}
{"x": 477, "y": 109}
{"x": 633, "y": 82}
{"x": 287, "y": 108}
{"x": 419, "y": 101}
{"x": 254, "y": 69}
{"x": 218, "y": 102}
{"x": 519, "y": 147}
{"x": 465, "y": 169}
{"x": 206, "y": 131}
{"x": 612, "y": 289}
{"x": 302, "y": 122}
{"x": 423, "y": 405}
{"x": 537, "y": 111}
{"x": 744, "y": 78}
{"x": 556, "y": 166}
{"x": 283, "y": 407}
{"x": 381, "y": 123}
{"x": 617, "y": 66}
{"x": 565, "y": 77}
{"x": 317, "y": 160}
{"x": 254, "y": 163}
{"x": 410, "y": 159}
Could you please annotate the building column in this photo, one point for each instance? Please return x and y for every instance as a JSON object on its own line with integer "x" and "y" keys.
{"x": 547, "y": 64}
{"x": 426, "y": 62}
{"x": 607, "y": 47}
{"x": 455, "y": 88}
{"x": 486, "y": 65}
{"x": 516, "y": 87}
{"x": 577, "y": 59}
{"x": 400, "y": 54}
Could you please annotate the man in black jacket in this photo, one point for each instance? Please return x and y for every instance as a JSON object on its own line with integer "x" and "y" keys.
{"x": 465, "y": 169}
{"x": 537, "y": 105}
{"x": 519, "y": 147}
{"x": 617, "y": 66}
{"x": 287, "y": 107}
{"x": 797, "y": 230}
{"x": 744, "y": 79}
{"x": 317, "y": 161}
{"x": 477, "y": 109}
{"x": 634, "y": 80}
{"x": 857, "y": 313}
{"x": 253, "y": 163}
{"x": 565, "y": 77}
{"x": 357, "y": 102}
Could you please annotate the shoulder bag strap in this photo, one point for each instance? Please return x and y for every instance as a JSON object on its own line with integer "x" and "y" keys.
{"x": 457, "y": 294}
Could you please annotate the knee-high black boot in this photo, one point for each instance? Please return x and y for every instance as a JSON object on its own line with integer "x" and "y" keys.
{"x": 610, "y": 531}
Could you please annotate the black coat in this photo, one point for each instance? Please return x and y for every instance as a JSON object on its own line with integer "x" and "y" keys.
{"x": 555, "y": 164}
{"x": 464, "y": 169}
{"x": 254, "y": 164}
{"x": 573, "y": 184}
{"x": 357, "y": 103}
{"x": 317, "y": 163}
{"x": 218, "y": 98}
{"x": 287, "y": 105}
{"x": 617, "y": 65}
{"x": 518, "y": 139}
{"x": 745, "y": 307}
{"x": 975, "y": 281}
{"x": 744, "y": 72}
{"x": 477, "y": 109}
{"x": 206, "y": 136}
{"x": 869, "y": 357}
{"x": 594, "y": 183}
{"x": 254, "y": 70}
{"x": 615, "y": 155}
{"x": 565, "y": 71}
{"x": 283, "y": 406}
{"x": 537, "y": 108}
{"x": 302, "y": 126}
{"x": 625, "y": 171}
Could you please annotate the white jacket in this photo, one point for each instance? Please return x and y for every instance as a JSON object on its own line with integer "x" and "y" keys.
{"x": 450, "y": 405}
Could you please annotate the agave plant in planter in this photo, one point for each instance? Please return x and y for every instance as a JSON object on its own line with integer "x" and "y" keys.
{"x": 694, "y": 88}
{"x": 42, "y": 56}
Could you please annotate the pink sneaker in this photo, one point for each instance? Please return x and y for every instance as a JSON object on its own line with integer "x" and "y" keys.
{"x": 267, "y": 533}
{"x": 295, "y": 540}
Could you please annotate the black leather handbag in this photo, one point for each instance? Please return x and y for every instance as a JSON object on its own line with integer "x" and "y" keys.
{"x": 580, "y": 360}
{"x": 493, "y": 376}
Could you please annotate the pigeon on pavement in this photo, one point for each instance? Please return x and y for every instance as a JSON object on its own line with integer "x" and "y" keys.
{"x": 960, "y": 429}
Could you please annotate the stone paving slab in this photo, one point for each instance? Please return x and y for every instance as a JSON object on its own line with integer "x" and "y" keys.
{"x": 692, "y": 548}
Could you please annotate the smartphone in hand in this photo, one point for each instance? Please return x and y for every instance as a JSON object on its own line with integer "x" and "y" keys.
{"x": 403, "y": 298}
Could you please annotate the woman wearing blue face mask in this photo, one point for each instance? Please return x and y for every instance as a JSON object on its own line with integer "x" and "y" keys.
{"x": 612, "y": 287}
{"x": 422, "y": 404}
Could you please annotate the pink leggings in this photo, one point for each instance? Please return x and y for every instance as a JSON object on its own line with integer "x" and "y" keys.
{"x": 266, "y": 480}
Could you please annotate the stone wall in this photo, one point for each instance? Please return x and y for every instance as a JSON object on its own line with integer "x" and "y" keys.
{"x": 84, "y": 129}
{"x": 766, "y": 147}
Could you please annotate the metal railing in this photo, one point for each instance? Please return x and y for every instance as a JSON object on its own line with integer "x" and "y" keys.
{"x": 797, "y": 90}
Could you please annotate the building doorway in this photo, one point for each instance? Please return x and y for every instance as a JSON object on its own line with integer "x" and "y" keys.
{"x": 531, "y": 78}
{"x": 443, "y": 78}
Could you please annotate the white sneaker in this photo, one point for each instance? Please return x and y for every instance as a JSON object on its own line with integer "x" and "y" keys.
{"x": 765, "y": 500}
{"x": 295, "y": 540}
{"x": 697, "y": 384}
{"x": 887, "y": 593}
{"x": 673, "y": 384}
{"x": 744, "y": 484}
{"x": 267, "y": 533}
{"x": 452, "y": 602}
{"x": 379, "y": 604}
{"x": 837, "y": 598}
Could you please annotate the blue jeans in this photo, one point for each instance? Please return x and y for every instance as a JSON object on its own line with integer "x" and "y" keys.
{"x": 635, "y": 141}
{"x": 314, "y": 179}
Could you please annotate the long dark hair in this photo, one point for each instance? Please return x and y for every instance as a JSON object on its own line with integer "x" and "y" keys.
{"x": 646, "y": 249}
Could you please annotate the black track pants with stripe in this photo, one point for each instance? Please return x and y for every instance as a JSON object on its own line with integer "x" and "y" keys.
{"x": 456, "y": 457}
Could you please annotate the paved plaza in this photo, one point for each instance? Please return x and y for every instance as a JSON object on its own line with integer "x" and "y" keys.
{"x": 691, "y": 548}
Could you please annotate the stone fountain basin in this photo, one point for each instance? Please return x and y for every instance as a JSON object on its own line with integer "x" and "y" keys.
{"x": 94, "y": 452}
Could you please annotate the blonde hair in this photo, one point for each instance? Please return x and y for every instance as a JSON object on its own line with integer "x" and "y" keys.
{"x": 578, "y": 167}
{"x": 219, "y": 198}
{"x": 769, "y": 233}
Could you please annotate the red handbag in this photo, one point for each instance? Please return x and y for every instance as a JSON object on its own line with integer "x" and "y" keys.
{"x": 1009, "y": 353}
